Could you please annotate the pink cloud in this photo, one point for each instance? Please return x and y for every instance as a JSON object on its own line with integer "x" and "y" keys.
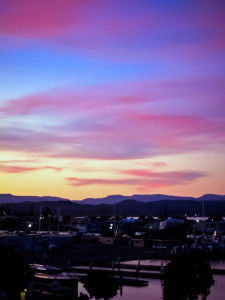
{"x": 158, "y": 164}
{"x": 148, "y": 180}
{"x": 16, "y": 161}
{"x": 39, "y": 18}
{"x": 122, "y": 139}
{"x": 107, "y": 123}
{"x": 16, "y": 169}
{"x": 173, "y": 175}
{"x": 181, "y": 125}
{"x": 118, "y": 30}
{"x": 52, "y": 17}
{"x": 195, "y": 96}
{"x": 23, "y": 169}
{"x": 74, "y": 181}
{"x": 52, "y": 168}
{"x": 41, "y": 102}
{"x": 67, "y": 101}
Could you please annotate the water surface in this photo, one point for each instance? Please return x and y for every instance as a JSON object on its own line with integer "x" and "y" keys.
{"x": 154, "y": 289}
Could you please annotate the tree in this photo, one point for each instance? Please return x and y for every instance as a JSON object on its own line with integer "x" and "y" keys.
{"x": 188, "y": 277}
{"x": 14, "y": 275}
{"x": 100, "y": 285}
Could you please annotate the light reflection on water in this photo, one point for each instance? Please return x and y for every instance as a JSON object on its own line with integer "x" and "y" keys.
{"x": 218, "y": 264}
{"x": 217, "y": 290}
{"x": 215, "y": 264}
{"x": 154, "y": 289}
{"x": 146, "y": 262}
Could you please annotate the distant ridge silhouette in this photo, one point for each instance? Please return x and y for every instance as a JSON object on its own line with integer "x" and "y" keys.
{"x": 111, "y": 199}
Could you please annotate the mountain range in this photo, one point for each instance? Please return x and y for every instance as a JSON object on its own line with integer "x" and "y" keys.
{"x": 112, "y": 199}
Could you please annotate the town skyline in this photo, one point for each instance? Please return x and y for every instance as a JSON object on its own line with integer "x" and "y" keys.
{"x": 119, "y": 97}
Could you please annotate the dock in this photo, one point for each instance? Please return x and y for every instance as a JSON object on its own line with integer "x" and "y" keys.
{"x": 122, "y": 272}
{"x": 131, "y": 271}
{"x": 125, "y": 274}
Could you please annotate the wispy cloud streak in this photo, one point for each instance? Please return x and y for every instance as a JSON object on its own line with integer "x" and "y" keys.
{"x": 23, "y": 169}
{"x": 113, "y": 123}
{"x": 142, "y": 179}
{"x": 119, "y": 29}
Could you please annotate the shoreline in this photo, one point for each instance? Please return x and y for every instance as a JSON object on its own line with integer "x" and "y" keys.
{"x": 85, "y": 252}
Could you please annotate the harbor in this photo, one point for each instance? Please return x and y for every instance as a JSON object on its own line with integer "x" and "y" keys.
{"x": 146, "y": 275}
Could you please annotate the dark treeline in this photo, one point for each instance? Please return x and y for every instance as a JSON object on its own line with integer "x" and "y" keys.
{"x": 14, "y": 274}
{"x": 175, "y": 208}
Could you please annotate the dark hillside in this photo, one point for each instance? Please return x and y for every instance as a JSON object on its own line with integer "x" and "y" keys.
{"x": 176, "y": 208}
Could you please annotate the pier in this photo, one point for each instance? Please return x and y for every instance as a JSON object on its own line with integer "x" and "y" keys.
{"x": 126, "y": 274}
{"x": 122, "y": 271}
{"x": 131, "y": 271}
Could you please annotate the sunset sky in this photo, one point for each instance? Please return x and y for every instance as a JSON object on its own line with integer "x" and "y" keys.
{"x": 101, "y": 97}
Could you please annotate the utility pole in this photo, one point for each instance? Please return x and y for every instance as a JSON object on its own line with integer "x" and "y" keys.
{"x": 40, "y": 219}
{"x": 203, "y": 214}
{"x": 58, "y": 220}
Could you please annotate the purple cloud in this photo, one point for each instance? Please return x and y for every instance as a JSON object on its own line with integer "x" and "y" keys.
{"x": 142, "y": 179}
